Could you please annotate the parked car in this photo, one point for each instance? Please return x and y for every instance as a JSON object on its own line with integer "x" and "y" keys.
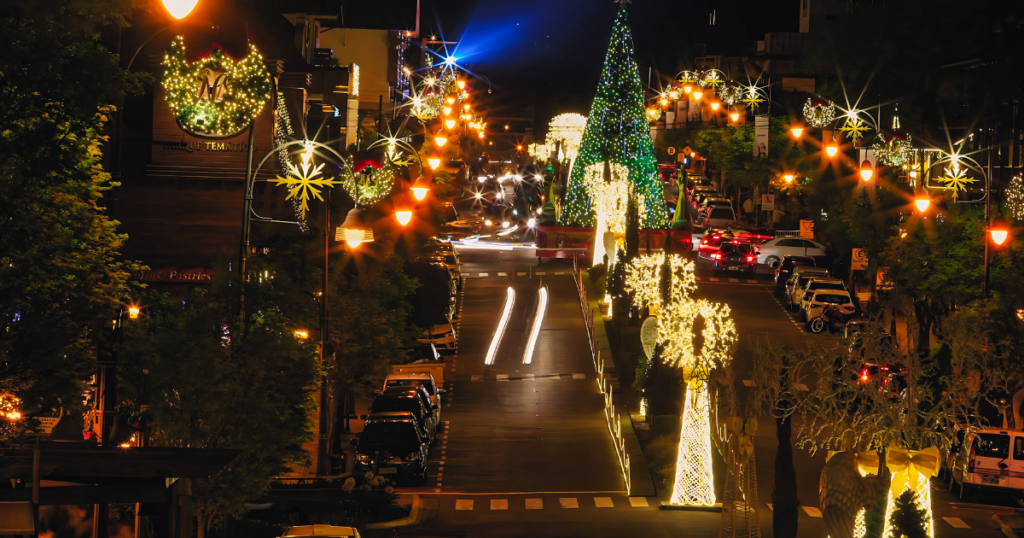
{"x": 406, "y": 401}
{"x": 423, "y": 352}
{"x": 735, "y": 257}
{"x": 700, "y": 193}
{"x": 719, "y": 217}
{"x": 442, "y": 336}
{"x": 711, "y": 241}
{"x": 711, "y": 202}
{"x": 985, "y": 462}
{"x": 825, "y": 297}
{"x": 693, "y": 183}
{"x": 451, "y": 261}
{"x": 796, "y": 284}
{"x": 773, "y": 250}
{"x": 321, "y": 530}
{"x": 813, "y": 285}
{"x": 416, "y": 379}
{"x": 785, "y": 267}
{"x": 392, "y": 444}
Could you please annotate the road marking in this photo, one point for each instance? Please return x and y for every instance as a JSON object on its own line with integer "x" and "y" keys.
{"x": 499, "y": 504}
{"x": 464, "y": 504}
{"x": 713, "y": 279}
{"x": 734, "y": 280}
{"x": 568, "y": 502}
{"x": 812, "y": 511}
{"x": 558, "y": 273}
{"x": 638, "y": 502}
{"x": 541, "y": 273}
{"x": 478, "y": 378}
{"x": 520, "y": 274}
{"x": 502, "y": 377}
{"x": 529, "y": 377}
{"x": 697, "y": 278}
{"x": 748, "y": 382}
{"x": 484, "y": 274}
{"x": 579, "y": 376}
{"x": 439, "y": 475}
{"x": 502, "y": 274}
{"x": 534, "y": 504}
{"x": 957, "y": 523}
{"x": 603, "y": 502}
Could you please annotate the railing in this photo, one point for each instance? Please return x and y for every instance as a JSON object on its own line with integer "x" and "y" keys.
{"x": 787, "y": 233}
{"x": 612, "y": 419}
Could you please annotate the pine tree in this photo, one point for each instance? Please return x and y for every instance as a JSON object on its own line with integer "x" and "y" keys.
{"x": 617, "y": 129}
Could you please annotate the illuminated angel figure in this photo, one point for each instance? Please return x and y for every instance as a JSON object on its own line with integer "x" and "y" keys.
{"x": 677, "y": 317}
{"x": 303, "y": 180}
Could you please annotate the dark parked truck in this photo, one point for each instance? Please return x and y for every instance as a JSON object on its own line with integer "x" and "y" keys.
{"x": 574, "y": 242}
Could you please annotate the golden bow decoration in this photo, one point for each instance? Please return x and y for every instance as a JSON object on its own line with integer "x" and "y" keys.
{"x": 907, "y": 466}
{"x": 867, "y": 461}
{"x": 744, "y": 430}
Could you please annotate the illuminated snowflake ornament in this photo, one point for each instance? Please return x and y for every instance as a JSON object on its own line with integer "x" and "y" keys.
{"x": 956, "y": 179}
{"x": 303, "y": 181}
{"x": 752, "y": 96}
{"x": 855, "y": 128}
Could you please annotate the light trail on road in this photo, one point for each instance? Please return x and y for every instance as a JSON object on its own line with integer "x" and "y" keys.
{"x": 538, "y": 319}
{"x": 500, "y": 330}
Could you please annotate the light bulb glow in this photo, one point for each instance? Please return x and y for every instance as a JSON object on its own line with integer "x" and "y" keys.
{"x": 403, "y": 217}
{"x": 434, "y": 162}
{"x": 715, "y": 106}
{"x": 353, "y": 237}
{"x": 998, "y": 235}
{"x": 510, "y": 300}
{"x": 420, "y": 192}
{"x": 698, "y": 94}
{"x": 531, "y": 222}
{"x": 735, "y": 116}
{"x": 687, "y": 88}
{"x": 301, "y": 334}
{"x": 922, "y": 204}
{"x": 460, "y": 83}
{"x": 450, "y": 100}
{"x": 440, "y": 141}
{"x": 179, "y": 9}
{"x": 788, "y": 178}
{"x": 133, "y": 312}
{"x": 450, "y": 60}
{"x": 447, "y": 110}
{"x": 797, "y": 131}
{"x": 866, "y": 172}
{"x": 831, "y": 150}
{"x": 450, "y": 124}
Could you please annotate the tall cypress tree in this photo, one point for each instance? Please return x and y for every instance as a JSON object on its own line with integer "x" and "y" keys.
{"x": 617, "y": 127}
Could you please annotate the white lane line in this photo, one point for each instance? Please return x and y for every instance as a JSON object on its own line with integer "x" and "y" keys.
{"x": 502, "y": 274}
{"x": 520, "y": 274}
{"x": 559, "y": 272}
{"x": 485, "y": 274}
{"x": 748, "y": 382}
{"x": 713, "y": 279}
{"x": 541, "y": 273}
{"x": 529, "y": 377}
{"x": 478, "y": 378}
{"x": 579, "y": 376}
{"x": 568, "y": 502}
{"x": 538, "y": 320}
{"x": 734, "y": 280}
{"x": 499, "y": 504}
{"x": 603, "y": 502}
{"x": 812, "y": 511}
{"x": 638, "y": 502}
{"x": 956, "y": 522}
{"x": 502, "y": 377}
{"x": 534, "y": 504}
{"x": 464, "y": 504}
{"x": 510, "y": 300}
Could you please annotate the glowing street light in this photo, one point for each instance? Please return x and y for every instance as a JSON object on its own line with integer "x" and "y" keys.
{"x": 688, "y": 87}
{"x": 796, "y": 131}
{"x": 831, "y": 149}
{"x": 922, "y": 201}
{"x": 450, "y": 100}
{"x": 447, "y": 110}
{"x": 697, "y": 95}
{"x": 420, "y": 188}
{"x": 734, "y": 116}
{"x": 133, "y": 312}
{"x": 440, "y": 140}
{"x": 788, "y": 177}
{"x": 461, "y": 84}
{"x": 998, "y": 231}
{"x": 715, "y": 105}
{"x": 434, "y": 162}
{"x": 663, "y": 102}
{"x": 301, "y": 334}
{"x": 866, "y": 171}
{"x": 450, "y": 124}
{"x": 353, "y": 232}
{"x": 179, "y": 9}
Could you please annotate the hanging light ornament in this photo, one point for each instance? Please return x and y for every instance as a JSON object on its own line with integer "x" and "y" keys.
{"x": 854, "y": 127}
{"x": 819, "y": 113}
{"x": 731, "y": 93}
{"x": 893, "y": 152}
{"x": 1015, "y": 197}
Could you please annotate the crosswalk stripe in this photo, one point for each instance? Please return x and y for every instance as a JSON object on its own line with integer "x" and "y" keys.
{"x": 568, "y": 502}
{"x": 638, "y": 502}
{"x": 502, "y": 274}
{"x": 502, "y": 377}
{"x": 499, "y": 504}
{"x": 484, "y": 274}
{"x": 603, "y": 502}
{"x": 957, "y": 523}
{"x": 541, "y": 273}
{"x": 579, "y": 376}
{"x": 464, "y": 504}
{"x": 734, "y": 280}
{"x": 812, "y": 511}
{"x": 534, "y": 504}
{"x": 713, "y": 279}
{"x": 520, "y": 274}
{"x": 478, "y": 378}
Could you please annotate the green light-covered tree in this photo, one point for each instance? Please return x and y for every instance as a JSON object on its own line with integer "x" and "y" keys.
{"x": 617, "y": 130}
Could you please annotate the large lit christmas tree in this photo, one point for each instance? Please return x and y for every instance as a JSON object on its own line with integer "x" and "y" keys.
{"x": 617, "y": 130}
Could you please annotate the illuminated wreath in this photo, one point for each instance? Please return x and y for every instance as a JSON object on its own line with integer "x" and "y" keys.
{"x": 368, "y": 182}
{"x": 894, "y": 152}
{"x": 215, "y": 95}
{"x": 818, "y": 114}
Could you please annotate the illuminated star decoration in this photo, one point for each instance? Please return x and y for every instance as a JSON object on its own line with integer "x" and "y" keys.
{"x": 304, "y": 179}
{"x": 956, "y": 179}
{"x": 752, "y": 97}
{"x": 712, "y": 78}
{"x": 854, "y": 127}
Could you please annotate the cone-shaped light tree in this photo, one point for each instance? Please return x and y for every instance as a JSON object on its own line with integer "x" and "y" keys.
{"x": 617, "y": 129}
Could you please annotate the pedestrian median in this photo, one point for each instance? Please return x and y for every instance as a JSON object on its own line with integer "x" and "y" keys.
{"x": 631, "y": 458}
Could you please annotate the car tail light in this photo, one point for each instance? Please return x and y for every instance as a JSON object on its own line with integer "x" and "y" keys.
{"x": 864, "y": 374}
{"x": 716, "y": 256}
{"x": 750, "y": 258}
{"x": 885, "y": 368}
{"x": 970, "y": 461}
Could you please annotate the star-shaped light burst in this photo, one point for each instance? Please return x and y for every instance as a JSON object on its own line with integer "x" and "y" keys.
{"x": 304, "y": 179}
{"x": 956, "y": 179}
{"x": 854, "y": 127}
{"x": 752, "y": 96}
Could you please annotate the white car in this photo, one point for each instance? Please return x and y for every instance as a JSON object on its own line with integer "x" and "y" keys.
{"x": 425, "y": 380}
{"x": 772, "y": 250}
{"x": 985, "y": 461}
{"x": 823, "y": 298}
{"x": 442, "y": 336}
{"x": 796, "y": 284}
{"x": 322, "y": 531}
{"x": 812, "y": 286}
{"x": 720, "y": 217}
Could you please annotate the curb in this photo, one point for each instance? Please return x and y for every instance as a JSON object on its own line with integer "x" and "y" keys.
{"x": 410, "y": 519}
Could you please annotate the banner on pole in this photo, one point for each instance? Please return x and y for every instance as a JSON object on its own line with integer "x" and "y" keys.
{"x": 760, "y": 136}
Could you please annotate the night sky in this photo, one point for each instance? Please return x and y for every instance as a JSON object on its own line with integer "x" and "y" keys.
{"x": 549, "y": 53}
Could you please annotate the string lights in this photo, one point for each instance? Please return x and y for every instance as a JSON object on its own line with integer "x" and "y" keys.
{"x": 216, "y": 95}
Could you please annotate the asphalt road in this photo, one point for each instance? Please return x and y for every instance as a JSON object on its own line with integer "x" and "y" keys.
{"x": 532, "y": 457}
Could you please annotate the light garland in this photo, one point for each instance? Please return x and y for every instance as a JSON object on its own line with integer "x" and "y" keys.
{"x": 1015, "y": 197}
{"x": 215, "y": 95}
{"x": 895, "y": 152}
{"x": 617, "y": 130}
{"x": 731, "y": 94}
{"x": 567, "y": 128}
{"x": 282, "y": 133}
{"x": 819, "y": 116}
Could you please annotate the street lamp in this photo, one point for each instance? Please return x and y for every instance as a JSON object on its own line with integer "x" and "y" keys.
{"x": 998, "y": 231}
{"x": 688, "y": 87}
{"x": 922, "y": 201}
{"x": 797, "y": 131}
{"x": 715, "y": 105}
{"x": 698, "y": 94}
{"x": 133, "y": 312}
{"x": 447, "y": 110}
{"x": 866, "y": 172}
{"x": 450, "y": 124}
{"x": 353, "y": 232}
{"x": 734, "y": 116}
{"x": 420, "y": 188}
{"x": 434, "y": 162}
{"x": 787, "y": 177}
{"x": 461, "y": 84}
{"x": 179, "y": 9}
{"x": 301, "y": 334}
{"x": 440, "y": 140}
{"x": 831, "y": 149}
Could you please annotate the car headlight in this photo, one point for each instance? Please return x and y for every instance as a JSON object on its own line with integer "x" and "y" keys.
{"x": 414, "y": 456}
{"x": 363, "y": 458}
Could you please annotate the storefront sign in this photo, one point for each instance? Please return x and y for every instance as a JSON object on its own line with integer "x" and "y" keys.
{"x": 197, "y": 276}
{"x": 206, "y": 146}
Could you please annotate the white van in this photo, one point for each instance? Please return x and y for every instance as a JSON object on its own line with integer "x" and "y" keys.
{"x": 991, "y": 458}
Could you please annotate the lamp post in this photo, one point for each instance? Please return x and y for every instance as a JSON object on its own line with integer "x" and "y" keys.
{"x": 997, "y": 232}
